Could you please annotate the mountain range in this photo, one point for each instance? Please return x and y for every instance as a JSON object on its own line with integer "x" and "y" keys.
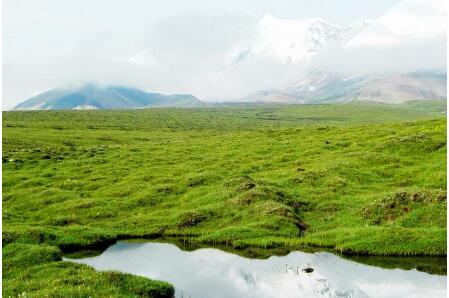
{"x": 92, "y": 96}
{"x": 292, "y": 42}
{"x": 319, "y": 87}
{"x": 316, "y": 87}
{"x": 274, "y": 51}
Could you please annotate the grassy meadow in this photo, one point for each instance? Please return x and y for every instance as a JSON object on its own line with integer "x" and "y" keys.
{"x": 366, "y": 179}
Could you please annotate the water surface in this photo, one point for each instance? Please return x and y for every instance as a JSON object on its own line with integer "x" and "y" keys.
{"x": 211, "y": 272}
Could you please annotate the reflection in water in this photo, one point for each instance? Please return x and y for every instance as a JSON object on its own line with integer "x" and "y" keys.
{"x": 214, "y": 273}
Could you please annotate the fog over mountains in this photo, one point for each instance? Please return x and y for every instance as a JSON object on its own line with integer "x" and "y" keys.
{"x": 292, "y": 41}
{"x": 395, "y": 57}
{"x": 91, "y": 97}
{"x": 315, "y": 88}
{"x": 320, "y": 87}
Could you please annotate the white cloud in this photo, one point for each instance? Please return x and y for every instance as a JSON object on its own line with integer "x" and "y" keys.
{"x": 289, "y": 40}
{"x": 142, "y": 58}
{"x": 410, "y": 36}
{"x": 409, "y": 20}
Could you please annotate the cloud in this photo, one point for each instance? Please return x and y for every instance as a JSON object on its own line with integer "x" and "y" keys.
{"x": 411, "y": 36}
{"x": 290, "y": 40}
{"x": 211, "y": 49}
{"x": 409, "y": 20}
{"x": 142, "y": 58}
{"x": 406, "y": 56}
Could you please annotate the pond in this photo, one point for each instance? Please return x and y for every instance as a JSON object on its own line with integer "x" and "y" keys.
{"x": 210, "y": 272}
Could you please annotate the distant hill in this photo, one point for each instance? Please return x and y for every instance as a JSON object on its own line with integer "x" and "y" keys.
{"x": 320, "y": 87}
{"x": 91, "y": 96}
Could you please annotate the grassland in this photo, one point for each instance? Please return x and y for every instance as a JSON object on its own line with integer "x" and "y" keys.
{"x": 356, "y": 178}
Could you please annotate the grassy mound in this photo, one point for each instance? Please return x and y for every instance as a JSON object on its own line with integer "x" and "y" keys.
{"x": 409, "y": 209}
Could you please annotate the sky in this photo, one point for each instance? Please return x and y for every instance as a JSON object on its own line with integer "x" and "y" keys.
{"x": 215, "y": 50}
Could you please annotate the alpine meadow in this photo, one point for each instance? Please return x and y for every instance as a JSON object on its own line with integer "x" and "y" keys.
{"x": 354, "y": 178}
{"x": 224, "y": 149}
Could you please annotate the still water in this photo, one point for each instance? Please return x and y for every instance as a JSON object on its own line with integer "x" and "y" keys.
{"x": 211, "y": 272}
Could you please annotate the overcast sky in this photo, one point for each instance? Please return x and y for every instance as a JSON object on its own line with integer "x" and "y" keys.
{"x": 179, "y": 46}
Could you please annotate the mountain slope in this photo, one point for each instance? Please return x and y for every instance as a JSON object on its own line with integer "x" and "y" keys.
{"x": 91, "y": 96}
{"x": 320, "y": 87}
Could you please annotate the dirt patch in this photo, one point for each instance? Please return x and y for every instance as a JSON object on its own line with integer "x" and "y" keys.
{"x": 393, "y": 206}
{"x": 191, "y": 219}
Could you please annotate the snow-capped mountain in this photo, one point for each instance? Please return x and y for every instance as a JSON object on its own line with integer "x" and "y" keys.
{"x": 292, "y": 40}
{"x": 298, "y": 40}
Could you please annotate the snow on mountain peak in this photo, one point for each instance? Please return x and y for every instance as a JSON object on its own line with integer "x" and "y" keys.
{"x": 290, "y": 40}
{"x": 298, "y": 40}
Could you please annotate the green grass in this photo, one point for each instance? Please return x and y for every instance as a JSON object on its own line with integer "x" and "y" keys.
{"x": 357, "y": 178}
{"x": 39, "y": 272}
{"x": 437, "y": 105}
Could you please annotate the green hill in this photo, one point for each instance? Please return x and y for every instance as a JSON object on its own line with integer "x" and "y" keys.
{"x": 93, "y": 97}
